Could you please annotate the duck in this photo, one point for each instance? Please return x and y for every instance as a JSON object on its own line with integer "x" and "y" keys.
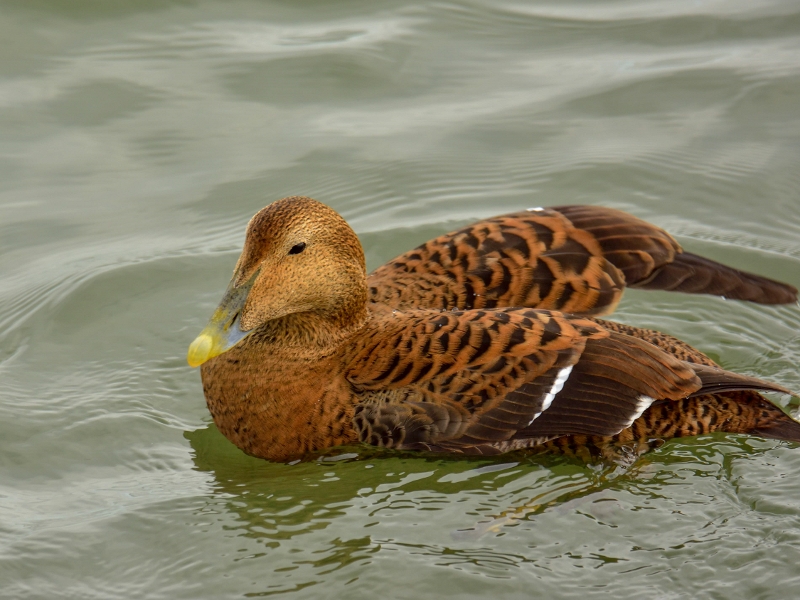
{"x": 482, "y": 341}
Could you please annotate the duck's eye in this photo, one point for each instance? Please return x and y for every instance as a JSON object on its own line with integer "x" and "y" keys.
{"x": 298, "y": 248}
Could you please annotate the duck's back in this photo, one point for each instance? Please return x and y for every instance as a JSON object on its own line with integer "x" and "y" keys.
{"x": 575, "y": 259}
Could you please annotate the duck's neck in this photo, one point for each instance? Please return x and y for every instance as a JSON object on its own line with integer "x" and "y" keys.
{"x": 280, "y": 393}
{"x": 278, "y": 408}
{"x": 311, "y": 334}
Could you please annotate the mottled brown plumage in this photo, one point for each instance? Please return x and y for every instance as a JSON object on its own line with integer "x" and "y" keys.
{"x": 575, "y": 259}
{"x": 298, "y": 359}
{"x": 741, "y": 411}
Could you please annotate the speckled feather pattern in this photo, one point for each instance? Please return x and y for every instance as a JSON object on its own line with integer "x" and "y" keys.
{"x": 492, "y": 371}
{"x": 575, "y": 259}
{"x": 427, "y": 353}
{"x": 534, "y": 259}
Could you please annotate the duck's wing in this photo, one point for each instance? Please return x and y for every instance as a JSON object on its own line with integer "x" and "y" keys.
{"x": 574, "y": 259}
{"x": 744, "y": 412}
{"x": 484, "y": 382}
{"x": 668, "y": 343}
{"x": 739, "y": 411}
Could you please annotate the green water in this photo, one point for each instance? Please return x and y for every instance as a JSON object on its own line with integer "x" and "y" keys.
{"x": 138, "y": 137}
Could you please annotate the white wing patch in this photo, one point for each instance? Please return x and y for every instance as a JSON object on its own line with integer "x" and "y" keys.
{"x": 642, "y": 404}
{"x": 558, "y": 385}
{"x": 535, "y": 209}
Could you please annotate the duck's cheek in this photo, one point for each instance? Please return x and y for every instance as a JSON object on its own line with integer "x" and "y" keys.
{"x": 277, "y": 294}
{"x": 264, "y": 306}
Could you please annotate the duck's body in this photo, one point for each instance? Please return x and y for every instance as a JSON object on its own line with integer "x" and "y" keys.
{"x": 306, "y": 353}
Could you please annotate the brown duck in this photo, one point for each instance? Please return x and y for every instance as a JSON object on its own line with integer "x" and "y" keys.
{"x": 306, "y": 352}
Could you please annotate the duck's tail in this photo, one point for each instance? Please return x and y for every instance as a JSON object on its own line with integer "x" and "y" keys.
{"x": 781, "y": 427}
{"x": 651, "y": 259}
{"x": 697, "y": 275}
{"x": 715, "y": 380}
{"x": 743, "y": 410}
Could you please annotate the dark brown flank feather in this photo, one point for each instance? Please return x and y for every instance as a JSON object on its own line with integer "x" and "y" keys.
{"x": 326, "y": 367}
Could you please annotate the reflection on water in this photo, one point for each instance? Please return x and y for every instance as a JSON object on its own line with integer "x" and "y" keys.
{"x": 485, "y": 516}
{"x": 139, "y": 138}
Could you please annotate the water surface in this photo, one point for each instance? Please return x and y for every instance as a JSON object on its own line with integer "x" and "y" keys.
{"x": 139, "y": 137}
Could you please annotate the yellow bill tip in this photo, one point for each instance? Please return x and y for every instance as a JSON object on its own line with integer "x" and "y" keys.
{"x": 200, "y": 350}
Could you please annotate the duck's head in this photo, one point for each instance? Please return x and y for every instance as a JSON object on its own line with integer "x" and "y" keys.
{"x": 299, "y": 256}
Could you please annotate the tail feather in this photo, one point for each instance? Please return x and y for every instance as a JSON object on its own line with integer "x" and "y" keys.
{"x": 697, "y": 275}
{"x": 715, "y": 380}
{"x": 651, "y": 259}
{"x": 783, "y": 428}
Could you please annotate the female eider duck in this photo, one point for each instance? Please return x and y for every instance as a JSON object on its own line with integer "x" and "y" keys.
{"x": 481, "y": 341}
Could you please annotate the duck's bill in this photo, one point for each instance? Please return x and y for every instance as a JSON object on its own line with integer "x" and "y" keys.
{"x": 223, "y": 331}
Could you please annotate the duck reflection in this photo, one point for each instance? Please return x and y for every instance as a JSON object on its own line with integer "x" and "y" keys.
{"x": 335, "y": 516}
{"x": 276, "y": 501}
